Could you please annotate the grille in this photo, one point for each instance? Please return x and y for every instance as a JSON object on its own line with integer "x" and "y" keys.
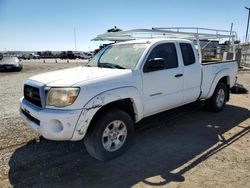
{"x": 32, "y": 95}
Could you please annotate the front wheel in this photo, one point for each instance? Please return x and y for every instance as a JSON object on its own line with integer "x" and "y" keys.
{"x": 218, "y": 100}
{"x": 110, "y": 135}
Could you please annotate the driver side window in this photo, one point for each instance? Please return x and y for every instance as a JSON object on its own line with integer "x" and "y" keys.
{"x": 167, "y": 52}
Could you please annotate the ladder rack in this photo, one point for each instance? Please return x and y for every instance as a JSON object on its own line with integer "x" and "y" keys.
{"x": 190, "y": 33}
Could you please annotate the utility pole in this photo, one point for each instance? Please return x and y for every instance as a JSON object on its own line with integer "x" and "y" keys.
{"x": 246, "y": 39}
{"x": 75, "y": 38}
{"x": 231, "y": 30}
{"x": 75, "y": 44}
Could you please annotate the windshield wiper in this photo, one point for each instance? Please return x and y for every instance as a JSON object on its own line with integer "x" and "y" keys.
{"x": 110, "y": 65}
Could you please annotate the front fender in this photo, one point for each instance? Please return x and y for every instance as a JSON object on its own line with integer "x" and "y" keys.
{"x": 102, "y": 99}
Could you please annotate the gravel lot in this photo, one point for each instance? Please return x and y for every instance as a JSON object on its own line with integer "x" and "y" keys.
{"x": 184, "y": 147}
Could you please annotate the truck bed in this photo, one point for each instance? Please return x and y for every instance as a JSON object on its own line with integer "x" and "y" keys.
{"x": 210, "y": 72}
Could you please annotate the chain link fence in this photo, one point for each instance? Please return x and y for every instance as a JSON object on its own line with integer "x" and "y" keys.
{"x": 244, "y": 51}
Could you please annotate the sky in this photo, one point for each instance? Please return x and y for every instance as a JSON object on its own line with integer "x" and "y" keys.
{"x": 38, "y": 25}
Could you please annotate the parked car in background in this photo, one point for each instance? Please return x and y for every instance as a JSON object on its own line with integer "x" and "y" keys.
{"x": 34, "y": 56}
{"x": 10, "y": 64}
{"x": 30, "y": 56}
{"x": 84, "y": 55}
{"x": 67, "y": 55}
{"x": 87, "y": 56}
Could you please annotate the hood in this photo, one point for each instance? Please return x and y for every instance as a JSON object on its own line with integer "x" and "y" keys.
{"x": 72, "y": 76}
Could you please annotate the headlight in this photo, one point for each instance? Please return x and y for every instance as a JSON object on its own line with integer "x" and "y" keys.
{"x": 61, "y": 97}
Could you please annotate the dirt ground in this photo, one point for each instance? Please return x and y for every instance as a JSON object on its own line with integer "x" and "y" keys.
{"x": 184, "y": 147}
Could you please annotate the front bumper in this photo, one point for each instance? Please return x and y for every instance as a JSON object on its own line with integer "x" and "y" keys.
{"x": 52, "y": 124}
{"x": 10, "y": 68}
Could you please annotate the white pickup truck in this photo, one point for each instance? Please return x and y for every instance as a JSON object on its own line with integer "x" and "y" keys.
{"x": 122, "y": 84}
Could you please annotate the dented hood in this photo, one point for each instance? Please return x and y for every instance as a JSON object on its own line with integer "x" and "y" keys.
{"x": 72, "y": 76}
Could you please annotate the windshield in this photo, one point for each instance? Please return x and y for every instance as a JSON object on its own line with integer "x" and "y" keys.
{"x": 122, "y": 56}
{"x": 9, "y": 60}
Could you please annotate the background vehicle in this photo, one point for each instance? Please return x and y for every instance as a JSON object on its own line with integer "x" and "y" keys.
{"x": 30, "y": 56}
{"x": 87, "y": 55}
{"x": 67, "y": 55}
{"x": 83, "y": 55}
{"x": 10, "y": 64}
{"x": 124, "y": 83}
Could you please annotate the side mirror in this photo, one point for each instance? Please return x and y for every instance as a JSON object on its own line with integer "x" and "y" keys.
{"x": 154, "y": 65}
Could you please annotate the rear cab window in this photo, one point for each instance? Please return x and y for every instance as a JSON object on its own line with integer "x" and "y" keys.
{"x": 187, "y": 54}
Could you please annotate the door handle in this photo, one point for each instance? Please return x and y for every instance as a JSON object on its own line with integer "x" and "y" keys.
{"x": 178, "y": 75}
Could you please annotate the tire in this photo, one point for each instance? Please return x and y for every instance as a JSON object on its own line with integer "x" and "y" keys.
{"x": 110, "y": 135}
{"x": 217, "y": 101}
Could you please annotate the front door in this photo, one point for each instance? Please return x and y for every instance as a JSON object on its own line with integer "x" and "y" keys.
{"x": 163, "y": 88}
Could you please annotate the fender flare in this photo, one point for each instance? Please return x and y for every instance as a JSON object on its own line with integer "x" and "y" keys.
{"x": 222, "y": 73}
{"x": 102, "y": 99}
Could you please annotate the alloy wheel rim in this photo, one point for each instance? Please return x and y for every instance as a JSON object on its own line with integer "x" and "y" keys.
{"x": 220, "y": 98}
{"x": 114, "y": 135}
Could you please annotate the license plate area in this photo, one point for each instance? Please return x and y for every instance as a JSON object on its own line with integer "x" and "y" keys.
{"x": 30, "y": 117}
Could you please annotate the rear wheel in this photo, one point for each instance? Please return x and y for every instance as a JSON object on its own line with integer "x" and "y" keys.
{"x": 218, "y": 100}
{"x": 110, "y": 135}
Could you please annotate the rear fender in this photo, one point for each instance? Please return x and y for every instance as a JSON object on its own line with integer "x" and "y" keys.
{"x": 223, "y": 73}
